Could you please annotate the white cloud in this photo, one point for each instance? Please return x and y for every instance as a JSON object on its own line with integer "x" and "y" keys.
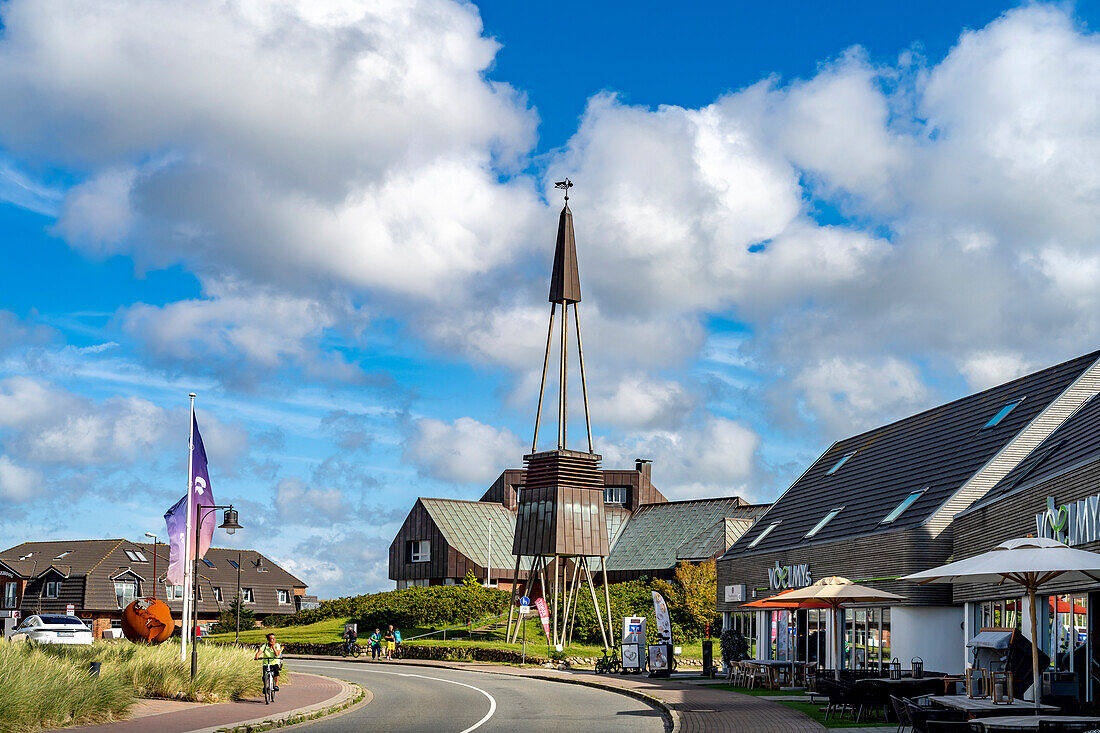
{"x": 300, "y": 503}
{"x": 985, "y": 369}
{"x": 462, "y": 451}
{"x": 17, "y": 483}
{"x": 637, "y": 401}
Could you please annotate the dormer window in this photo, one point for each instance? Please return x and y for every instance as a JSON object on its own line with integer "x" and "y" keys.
{"x": 1002, "y": 414}
{"x": 824, "y": 520}
{"x": 614, "y": 495}
{"x": 836, "y": 466}
{"x": 765, "y": 533}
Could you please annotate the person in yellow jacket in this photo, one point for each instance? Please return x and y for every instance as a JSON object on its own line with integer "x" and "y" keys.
{"x": 272, "y": 655}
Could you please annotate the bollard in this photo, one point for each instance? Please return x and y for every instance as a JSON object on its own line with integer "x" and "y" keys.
{"x": 708, "y": 657}
{"x": 94, "y": 669}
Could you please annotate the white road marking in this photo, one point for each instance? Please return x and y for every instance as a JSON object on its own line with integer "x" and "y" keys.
{"x": 475, "y": 726}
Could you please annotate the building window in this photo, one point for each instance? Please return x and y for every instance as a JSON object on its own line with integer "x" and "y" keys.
{"x": 284, "y": 596}
{"x": 136, "y": 556}
{"x": 208, "y": 563}
{"x": 53, "y": 588}
{"x": 125, "y": 592}
{"x": 905, "y": 504}
{"x": 450, "y": 581}
{"x": 173, "y": 591}
{"x": 836, "y": 466}
{"x": 218, "y": 593}
{"x": 247, "y": 596}
{"x": 11, "y": 594}
{"x": 63, "y": 554}
{"x": 614, "y": 495}
{"x": 765, "y": 533}
{"x": 745, "y": 622}
{"x": 824, "y": 520}
{"x": 1002, "y": 614}
{"x": 1002, "y": 414}
{"x": 418, "y": 550}
{"x": 866, "y": 638}
{"x": 28, "y": 556}
{"x": 234, "y": 564}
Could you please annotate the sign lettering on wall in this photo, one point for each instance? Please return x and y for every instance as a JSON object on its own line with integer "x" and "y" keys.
{"x": 1074, "y": 524}
{"x": 782, "y": 577}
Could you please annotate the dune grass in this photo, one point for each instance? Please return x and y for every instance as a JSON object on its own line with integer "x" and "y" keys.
{"x": 48, "y": 686}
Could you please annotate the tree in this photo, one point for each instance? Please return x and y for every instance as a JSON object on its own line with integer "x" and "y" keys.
{"x": 227, "y": 619}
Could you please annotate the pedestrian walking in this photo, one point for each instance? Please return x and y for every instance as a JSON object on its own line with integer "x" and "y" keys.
{"x": 391, "y": 642}
{"x": 376, "y": 644}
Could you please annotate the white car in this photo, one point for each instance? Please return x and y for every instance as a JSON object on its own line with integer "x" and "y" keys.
{"x": 52, "y": 629}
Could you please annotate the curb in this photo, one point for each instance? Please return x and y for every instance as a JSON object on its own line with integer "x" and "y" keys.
{"x": 671, "y": 715}
{"x": 350, "y": 695}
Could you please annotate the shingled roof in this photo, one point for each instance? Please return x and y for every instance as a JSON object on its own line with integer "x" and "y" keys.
{"x": 937, "y": 451}
{"x": 657, "y": 535}
{"x": 1075, "y": 443}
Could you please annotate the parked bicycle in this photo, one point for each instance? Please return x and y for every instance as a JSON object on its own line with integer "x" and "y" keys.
{"x": 352, "y": 649}
{"x": 608, "y": 664}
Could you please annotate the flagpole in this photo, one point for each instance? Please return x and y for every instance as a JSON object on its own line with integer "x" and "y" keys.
{"x": 187, "y": 579}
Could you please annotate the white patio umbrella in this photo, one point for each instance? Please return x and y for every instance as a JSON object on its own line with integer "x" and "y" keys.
{"x": 1027, "y": 561}
{"x": 837, "y": 592}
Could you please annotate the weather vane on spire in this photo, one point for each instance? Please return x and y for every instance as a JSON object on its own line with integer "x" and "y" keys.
{"x": 566, "y": 184}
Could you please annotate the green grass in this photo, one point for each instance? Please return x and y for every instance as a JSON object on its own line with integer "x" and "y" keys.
{"x": 814, "y": 710}
{"x": 322, "y": 632}
{"x": 755, "y": 691}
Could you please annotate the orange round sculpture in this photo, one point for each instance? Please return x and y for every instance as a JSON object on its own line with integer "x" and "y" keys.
{"x": 148, "y": 620}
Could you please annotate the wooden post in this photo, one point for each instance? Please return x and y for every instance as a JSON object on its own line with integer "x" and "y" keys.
{"x": 607, "y": 599}
{"x": 557, "y": 567}
{"x": 545, "y": 587}
{"x": 576, "y": 596}
{"x": 563, "y": 404}
{"x": 599, "y": 616}
{"x": 570, "y": 603}
{"x": 542, "y": 385}
{"x": 512, "y": 600}
{"x": 584, "y": 385}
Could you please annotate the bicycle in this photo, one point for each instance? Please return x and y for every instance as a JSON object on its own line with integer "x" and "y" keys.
{"x": 608, "y": 664}
{"x": 269, "y": 684}
{"x": 352, "y": 649}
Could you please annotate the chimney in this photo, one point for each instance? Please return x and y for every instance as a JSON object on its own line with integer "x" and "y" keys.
{"x": 642, "y": 466}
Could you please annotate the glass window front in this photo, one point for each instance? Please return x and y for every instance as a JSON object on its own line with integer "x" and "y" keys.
{"x": 1067, "y": 632}
{"x": 246, "y": 595}
{"x": 745, "y": 622}
{"x": 11, "y": 592}
{"x": 125, "y": 592}
{"x": 866, "y": 638}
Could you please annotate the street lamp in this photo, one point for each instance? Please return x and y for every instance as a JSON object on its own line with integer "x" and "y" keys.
{"x": 155, "y": 581}
{"x": 230, "y": 525}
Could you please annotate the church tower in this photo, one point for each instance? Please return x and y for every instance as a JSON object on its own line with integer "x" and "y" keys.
{"x": 561, "y": 522}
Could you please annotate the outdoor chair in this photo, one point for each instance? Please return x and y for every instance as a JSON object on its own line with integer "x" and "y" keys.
{"x": 1057, "y": 726}
{"x": 840, "y": 698}
{"x": 920, "y": 717}
{"x": 901, "y": 713}
{"x": 870, "y": 695}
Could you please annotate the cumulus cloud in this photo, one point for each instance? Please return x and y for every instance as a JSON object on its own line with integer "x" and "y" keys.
{"x": 463, "y": 451}
{"x": 17, "y": 483}
{"x": 300, "y": 503}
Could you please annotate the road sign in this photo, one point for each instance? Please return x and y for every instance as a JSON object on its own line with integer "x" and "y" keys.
{"x": 70, "y": 610}
{"x": 524, "y": 609}
{"x": 525, "y": 601}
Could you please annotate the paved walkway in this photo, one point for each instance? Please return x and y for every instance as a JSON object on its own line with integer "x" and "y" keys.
{"x": 303, "y": 693}
{"x": 695, "y": 707}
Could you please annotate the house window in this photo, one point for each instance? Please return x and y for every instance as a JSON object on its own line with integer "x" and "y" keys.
{"x": 247, "y": 596}
{"x": 284, "y": 596}
{"x": 905, "y": 504}
{"x": 53, "y": 588}
{"x": 765, "y": 533}
{"x": 125, "y": 592}
{"x": 173, "y": 591}
{"x": 63, "y": 554}
{"x": 824, "y": 520}
{"x": 234, "y": 564}
{"x": 208, "y": 563}
{"x": 28, "y": 556}
{"x": 614, "y": 495}
{"x": 1002, "y": 413}
{"x": 418, "y": 550}
{"x": 218, "y": 593}
{"x": 836, "y": 466}
{"x": 11, "y": 594}
{"x": 136, "y": 556}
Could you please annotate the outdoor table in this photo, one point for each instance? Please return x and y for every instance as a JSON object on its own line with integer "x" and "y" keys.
{"x": 1029, "y": 722}
{"x": 773, "y": 666}
{"x": 975, "y": 705}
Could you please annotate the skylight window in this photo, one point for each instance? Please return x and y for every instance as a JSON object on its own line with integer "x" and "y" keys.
{"x": 824, "y": 520}
{"x": 136, "y": 555}
{"x": 765, "y": 533}
{"x": 208, "y": 563}
{"x": 27, "y": 556}
{"x": 1002, "y": 414}
{"x": 836, "y": 466}
{"x": 905, "y": 504}
{"x": 234, "y": 564}
{"x": 63, "y": 554}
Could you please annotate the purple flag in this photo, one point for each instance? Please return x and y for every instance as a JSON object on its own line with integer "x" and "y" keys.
{"x": 176, "y": 518}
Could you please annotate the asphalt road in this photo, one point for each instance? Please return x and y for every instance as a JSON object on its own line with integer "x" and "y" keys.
{"x": 436, "y": 700}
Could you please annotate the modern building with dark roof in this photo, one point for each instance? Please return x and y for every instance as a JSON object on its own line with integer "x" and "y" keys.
{"x": 441, "y": 539}
{"x": 99, "y": 578}
{"x": 881, "y": 504}
{"x": 1054, "y": 492}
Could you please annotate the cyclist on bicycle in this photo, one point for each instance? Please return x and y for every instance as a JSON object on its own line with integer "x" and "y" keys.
{"x": 272, "y": 655}
{"x": 351, "y": 635}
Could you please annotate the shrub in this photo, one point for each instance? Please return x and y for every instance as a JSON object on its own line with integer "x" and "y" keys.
{"x": 734, "y": 646}
{"x": 227, "y": 619}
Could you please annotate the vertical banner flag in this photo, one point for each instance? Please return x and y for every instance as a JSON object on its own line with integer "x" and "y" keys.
{"x": 200, "y": 494}
{"x": 544, "y": 616}
{"x": 664, "y": 626}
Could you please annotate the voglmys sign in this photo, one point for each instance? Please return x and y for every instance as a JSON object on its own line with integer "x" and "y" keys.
{"x": 1074, "y": 524}
{"x": 782, "y": 577}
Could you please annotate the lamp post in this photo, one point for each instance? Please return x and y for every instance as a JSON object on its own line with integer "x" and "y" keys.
{"x": 155, "y": 581}
{"x": 237, "y": 635}
{"x": 230, "y": 525}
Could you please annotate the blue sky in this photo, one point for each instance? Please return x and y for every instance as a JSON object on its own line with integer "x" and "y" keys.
{"x": 333, "y": 221}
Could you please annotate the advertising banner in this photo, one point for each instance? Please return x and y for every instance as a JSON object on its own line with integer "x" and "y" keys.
{"x": 544, "y": 616}
{"x": 664, "y": 625}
